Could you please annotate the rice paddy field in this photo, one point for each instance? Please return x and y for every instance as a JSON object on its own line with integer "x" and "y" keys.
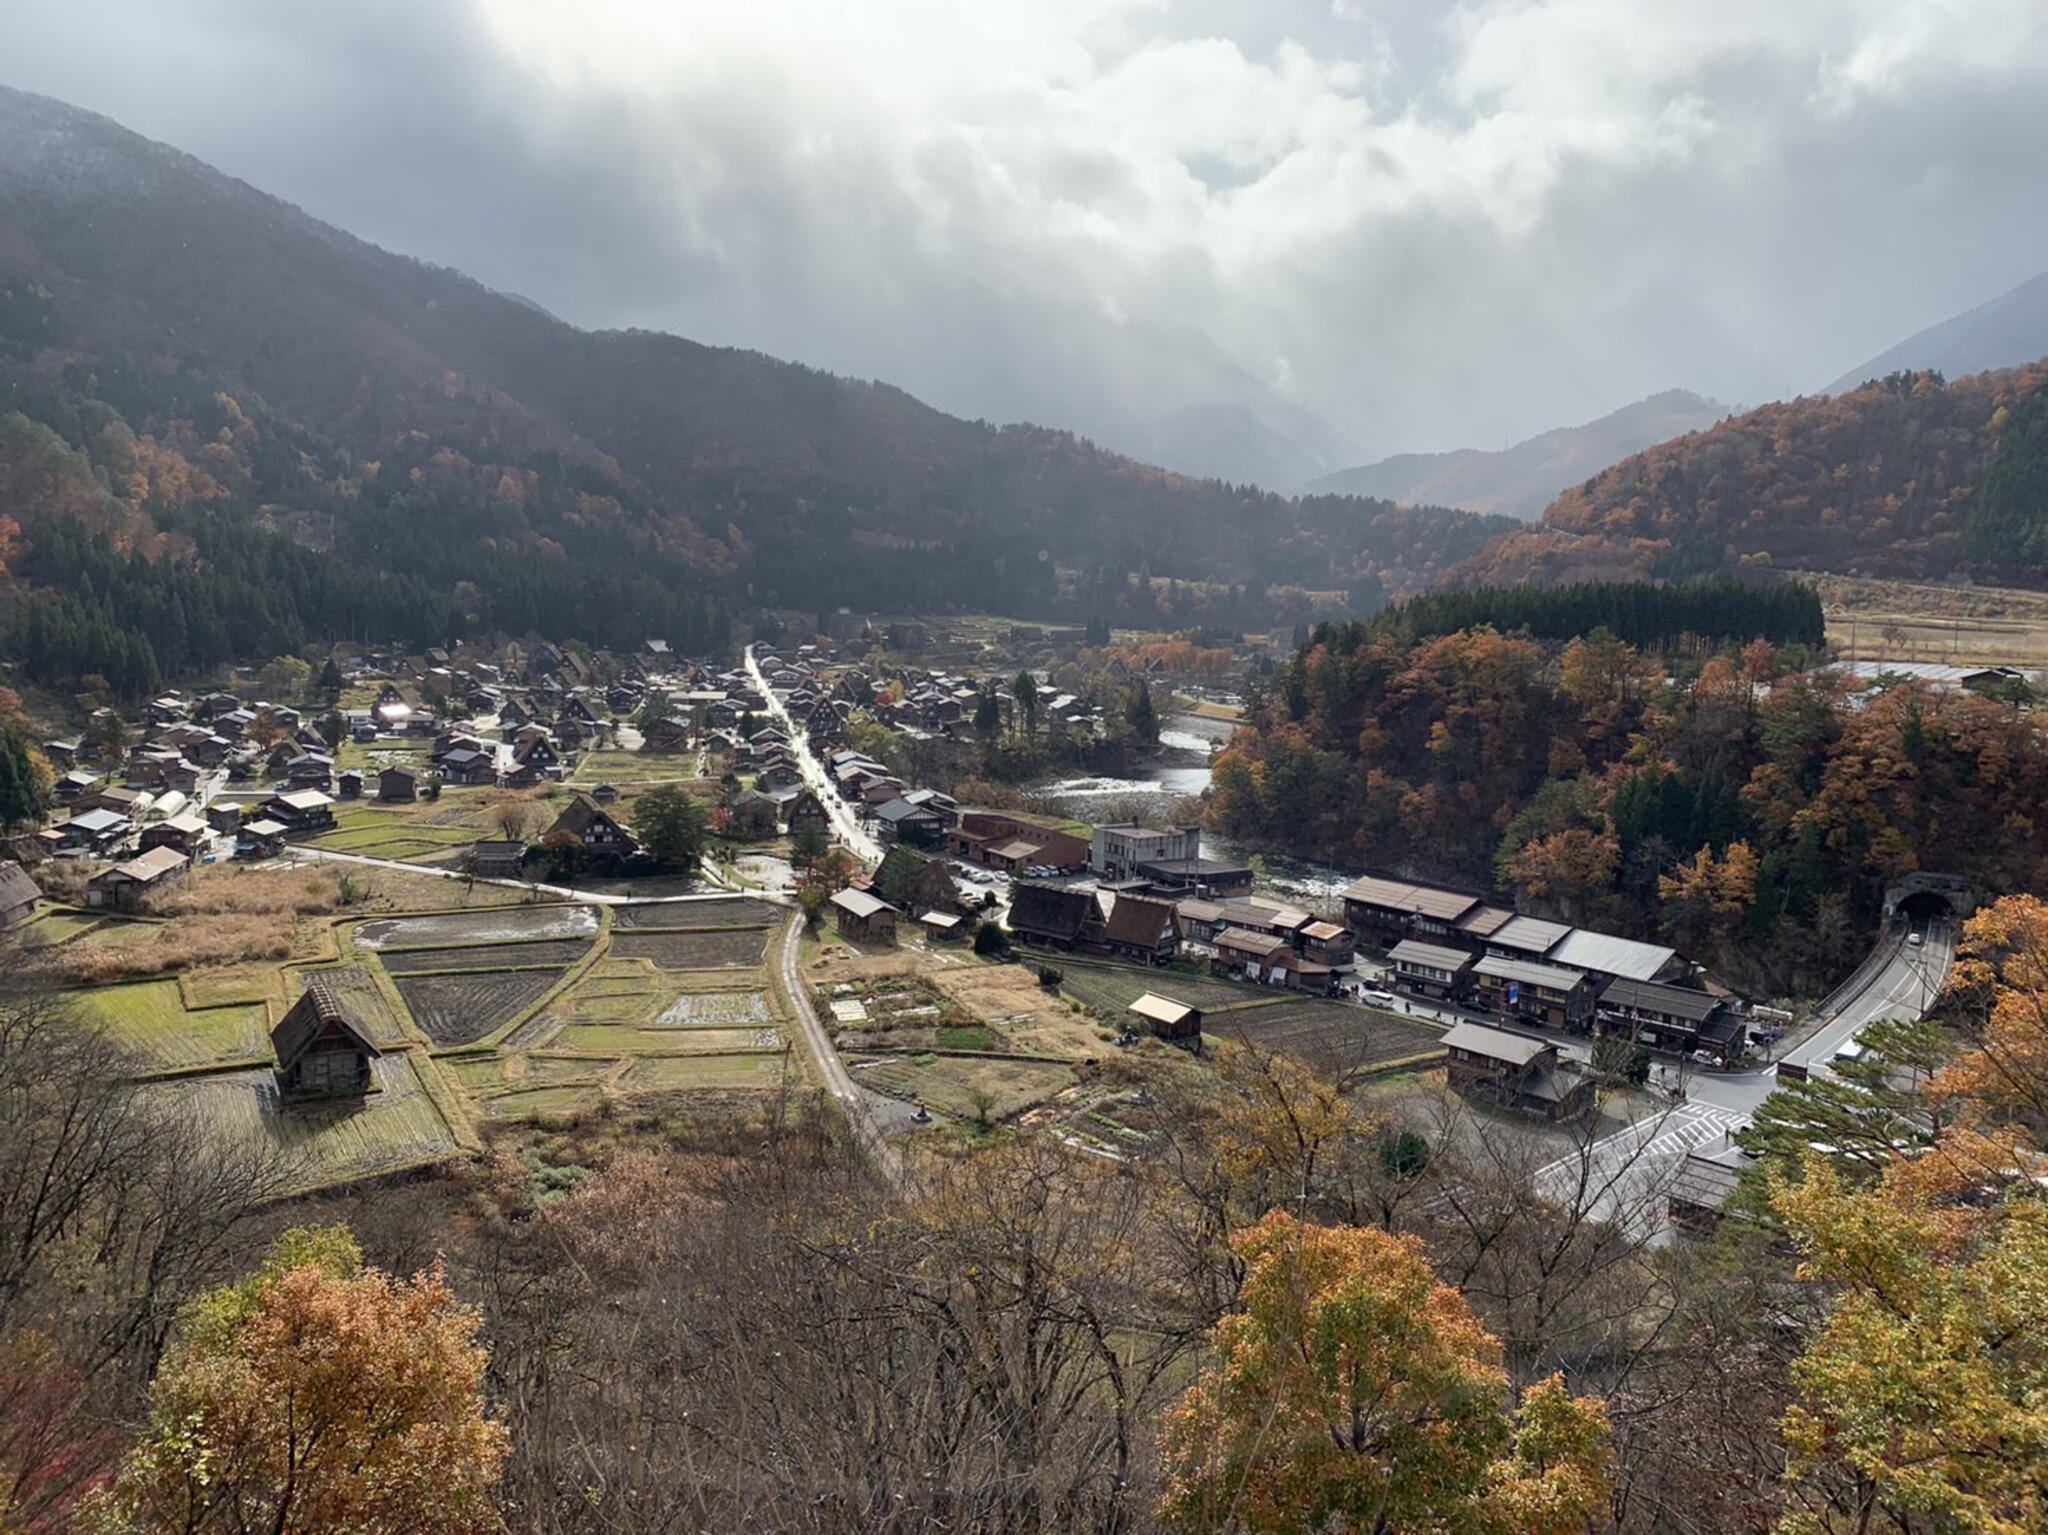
{"x": 396, "y": 1126}
{"x": 700, "y": 949}
{"x": 150, "y": 1018}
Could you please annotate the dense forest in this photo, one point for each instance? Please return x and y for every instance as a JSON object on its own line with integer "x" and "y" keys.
{"x": 407, "y": 420}
{"x": 1747, "y": 807}
{"x": 1683, "y": 615}
{"x": 1909, "y": 476}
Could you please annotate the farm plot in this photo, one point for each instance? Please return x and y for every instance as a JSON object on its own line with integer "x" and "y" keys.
{"x": 150, "y": 1018}
{"x": 541, "y": 1102}
{"x": 674, "y": 1073}
{"x": 699, "y": 949}
{"x": 462, "y": 1009}
{"x": 357, "y": 990}
{"x": 226, "y": 985}
{"x": 675, "y": 914}
{"x": 617, "y": 1039}
{"x": 714, "y": 1010}
{"x": 1110, "y": 989}
{"x": 1333, "y": 1036}
{"x": 967, "y": 1088}
{"x": 540, "y": 954}
{"x": 503, "y": 925}
{"x": 397, "y": 1126}
{"x": 484, "y": 1075}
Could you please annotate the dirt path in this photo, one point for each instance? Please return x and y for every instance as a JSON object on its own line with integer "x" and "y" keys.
{"x": 831, "y": 1070}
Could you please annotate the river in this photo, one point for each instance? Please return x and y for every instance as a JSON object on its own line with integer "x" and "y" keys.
{"x": 1179, "y": 774}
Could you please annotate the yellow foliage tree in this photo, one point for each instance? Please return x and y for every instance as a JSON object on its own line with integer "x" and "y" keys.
{"x": 1353, "y": 1390}
{"x": 317, "y": 1395}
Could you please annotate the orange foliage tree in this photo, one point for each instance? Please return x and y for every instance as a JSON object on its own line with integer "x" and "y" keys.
{"x": 1351, "y": 1389}
{"x": 317, "y": 1395}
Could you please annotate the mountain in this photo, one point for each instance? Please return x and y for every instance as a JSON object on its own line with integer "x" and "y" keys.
{"x": 1909, "y": 476}
{"x": 1227, "y": 441}
{"x": 1522, "y": 480}
{"x": 408, "y": 424}
{"x": 2004, "y": 333}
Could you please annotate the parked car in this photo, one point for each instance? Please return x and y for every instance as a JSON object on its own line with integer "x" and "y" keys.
{"x": 1377, "y": 997}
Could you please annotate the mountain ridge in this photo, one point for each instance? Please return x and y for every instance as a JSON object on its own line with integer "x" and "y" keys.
{"x": 2004, "y": 332}
{"x": 1521, "y": 480}
{"x": 152, "y": 273}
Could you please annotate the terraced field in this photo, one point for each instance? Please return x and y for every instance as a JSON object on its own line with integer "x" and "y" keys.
{"x": 674, "y": 1073}
{"x": 508, "y": 924}
{"x": 462, "y": 1009}
{"x": 674, "y": 914}
{"x": 543, "y": 953}
{"x": 700, "y": 949}
{"x": 151, "y": 1019}
{"x": 395, "y": 1127}
{"x": 618, "y": 1039}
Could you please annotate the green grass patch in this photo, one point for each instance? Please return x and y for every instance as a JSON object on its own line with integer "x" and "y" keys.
{"x": 55, "y": 927}
{"x": 229, "y": 985}
{"x": 150, "y": 1018}
{"x": 972, "y": 1038}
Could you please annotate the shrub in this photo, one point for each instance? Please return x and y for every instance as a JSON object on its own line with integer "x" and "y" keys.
{"x": 1050, "y": 978}
{"x": 989, "y": 938}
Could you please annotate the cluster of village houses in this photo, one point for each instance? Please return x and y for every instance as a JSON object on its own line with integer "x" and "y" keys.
{"x": 1141, "y": 894}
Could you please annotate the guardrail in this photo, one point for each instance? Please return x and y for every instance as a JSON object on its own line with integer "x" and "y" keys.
{"x": 1880, "y": 956}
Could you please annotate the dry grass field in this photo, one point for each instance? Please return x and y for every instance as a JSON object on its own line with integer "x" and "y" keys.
{"x": 1916, "y": 621}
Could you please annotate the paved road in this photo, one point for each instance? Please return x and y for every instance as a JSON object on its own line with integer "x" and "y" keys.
{"x": 857, "y": 841}
{"x": 1626, "y": 1174}
{"x": 852, "y": 1100}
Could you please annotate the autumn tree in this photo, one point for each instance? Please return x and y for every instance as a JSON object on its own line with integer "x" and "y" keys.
{"x": 317, "y": 1395}
{"x": 1352, "y": 1388}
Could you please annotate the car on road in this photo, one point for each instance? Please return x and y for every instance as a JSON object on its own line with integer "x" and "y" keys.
{"x": 1377, "y": 997}
{"x": 1914, "y": 940}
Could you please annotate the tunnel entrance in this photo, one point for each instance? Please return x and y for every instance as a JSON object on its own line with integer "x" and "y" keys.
{"x": 1923, "y": 898}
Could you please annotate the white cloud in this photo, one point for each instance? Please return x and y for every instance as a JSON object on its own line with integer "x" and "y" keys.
{"x": 1427, "y": 224}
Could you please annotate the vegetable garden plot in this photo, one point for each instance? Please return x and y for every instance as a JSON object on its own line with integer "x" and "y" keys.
{"x": 714, "y": 1010}
{"x": 462, "y": 1009}
{"x": 500, "y": 925}
{"x": 328, "y": 1142}
{"x": 736, "y": 913}
{"x": 554, "y": 952}
{"x": 700, "y": 950}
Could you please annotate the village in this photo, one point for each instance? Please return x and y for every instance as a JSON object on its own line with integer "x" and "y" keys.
{"x": 964, "y": 964}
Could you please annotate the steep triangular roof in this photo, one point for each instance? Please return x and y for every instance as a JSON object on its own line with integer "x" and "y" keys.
{"x": 1140, "y": 922}
{"x": 1053, "y": 910}
{"x": 317, "y": 1012}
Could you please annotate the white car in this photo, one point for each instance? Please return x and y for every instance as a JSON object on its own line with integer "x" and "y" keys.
{"x": 1377, "y": 998}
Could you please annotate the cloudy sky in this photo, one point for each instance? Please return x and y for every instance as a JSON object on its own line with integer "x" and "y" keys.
{"x": 1399, "y": 224}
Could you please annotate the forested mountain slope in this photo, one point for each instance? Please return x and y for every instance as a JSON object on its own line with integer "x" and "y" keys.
{"x": 1909, "y": 476}
{"x": 408, "y": 420}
